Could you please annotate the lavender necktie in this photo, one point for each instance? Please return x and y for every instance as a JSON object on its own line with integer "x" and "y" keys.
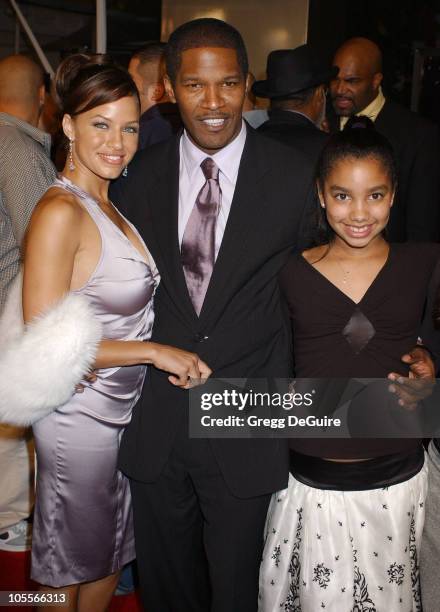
{"x": 198, "y": 243}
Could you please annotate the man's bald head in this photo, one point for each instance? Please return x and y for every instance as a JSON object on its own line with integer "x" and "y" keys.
{"x": 360, "y": 74}
{"x": 21, "y": 88}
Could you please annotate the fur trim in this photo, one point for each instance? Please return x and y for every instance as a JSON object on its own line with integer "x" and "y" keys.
{"x": 41, "y": 364}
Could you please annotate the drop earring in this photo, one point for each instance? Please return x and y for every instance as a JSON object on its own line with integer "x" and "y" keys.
{"x": 125, "y": 171}
{"x": 71, "y": 164}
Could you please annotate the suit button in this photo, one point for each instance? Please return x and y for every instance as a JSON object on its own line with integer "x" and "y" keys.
{"x": 200, "y": 338}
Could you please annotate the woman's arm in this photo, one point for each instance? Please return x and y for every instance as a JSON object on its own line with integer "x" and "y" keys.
{"x": 52, "y": 244}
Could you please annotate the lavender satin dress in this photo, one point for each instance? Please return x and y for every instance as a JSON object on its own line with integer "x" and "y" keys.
{"x": 83, "y": 522}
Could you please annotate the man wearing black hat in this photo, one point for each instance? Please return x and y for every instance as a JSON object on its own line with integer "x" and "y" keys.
{"x": 296, "y": 85}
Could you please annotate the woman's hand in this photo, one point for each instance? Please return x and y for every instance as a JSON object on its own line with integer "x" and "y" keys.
{"x": 183, "y": 366}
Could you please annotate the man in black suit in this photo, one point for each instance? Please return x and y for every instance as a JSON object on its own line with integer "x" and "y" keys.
{"x": 159, "y": 118}
{"x": 296, "y": 85}
{"x": 200, "y": 505}
{"x": 357, "y": 91}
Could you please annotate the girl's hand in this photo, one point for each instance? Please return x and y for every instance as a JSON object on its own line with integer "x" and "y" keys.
{"x": 183, "y": 366}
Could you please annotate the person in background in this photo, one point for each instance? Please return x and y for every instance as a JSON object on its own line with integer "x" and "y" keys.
{"x": 296, "y": 85}
{"x": 356, "y": 90}
{"x": 254, "y": 116}
{"x": 160, "y": 118}
{"x": 25, "y": 173}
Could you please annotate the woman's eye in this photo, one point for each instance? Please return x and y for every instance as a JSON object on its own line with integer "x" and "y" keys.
{"x": 100, "y": 125}
{"x": 131, "y": 130}
{"x": 376, "y": 196}
{"x": 341, "y": 196}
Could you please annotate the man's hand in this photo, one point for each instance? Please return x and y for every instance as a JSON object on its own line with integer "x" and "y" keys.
{"x": 419, "y": 384}
{"x": 90, "y": 378}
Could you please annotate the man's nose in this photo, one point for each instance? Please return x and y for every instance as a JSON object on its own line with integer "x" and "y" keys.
{"x": 213, "y": 98}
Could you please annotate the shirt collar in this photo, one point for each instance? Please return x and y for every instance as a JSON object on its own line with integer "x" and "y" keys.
{"x": 227, "y": 159}
{"x": 297, "y": 112}
{"x": 36, "y": 134}
{"x": 371, "y": 111}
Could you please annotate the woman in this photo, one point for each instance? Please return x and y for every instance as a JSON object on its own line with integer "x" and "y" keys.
{"x": 77, "y": 242}
{"x": 345, "y": 534}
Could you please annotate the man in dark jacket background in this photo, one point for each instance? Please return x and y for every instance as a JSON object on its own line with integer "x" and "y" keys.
{"x": 296, "y": 86}
{"x": 356, "y": 90}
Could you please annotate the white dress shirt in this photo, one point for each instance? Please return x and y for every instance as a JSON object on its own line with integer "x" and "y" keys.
{"x": 192, "y": 179}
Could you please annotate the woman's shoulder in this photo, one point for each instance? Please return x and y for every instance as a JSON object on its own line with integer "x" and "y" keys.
{"x": 56, "y": 217}
{"x": 58, "y": 205}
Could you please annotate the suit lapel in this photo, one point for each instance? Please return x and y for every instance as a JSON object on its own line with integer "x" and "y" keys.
{"x": 247, "y": 204}
{"x": 165, "y": 213}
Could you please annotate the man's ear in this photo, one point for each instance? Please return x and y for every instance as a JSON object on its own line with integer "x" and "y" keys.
{"x": 169, "y": 88}
{"x": 377, "y": 80}
{"x": 247, "y": 83}
{"x": 68, "y": 127}
{"x": 157, "y": 92}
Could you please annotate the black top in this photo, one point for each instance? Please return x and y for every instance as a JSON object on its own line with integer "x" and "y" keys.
{"x": 336, "y": 338}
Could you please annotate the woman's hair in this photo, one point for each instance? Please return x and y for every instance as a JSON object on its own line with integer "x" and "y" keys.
{"x": 358, "y": 140}
{"x": 83, "y": 82}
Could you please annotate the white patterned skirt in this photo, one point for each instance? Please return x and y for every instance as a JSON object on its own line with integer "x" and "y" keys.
{"x": 344, "y": 551}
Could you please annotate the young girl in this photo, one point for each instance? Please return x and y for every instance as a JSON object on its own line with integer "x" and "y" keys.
{"x": 345, "y": 534}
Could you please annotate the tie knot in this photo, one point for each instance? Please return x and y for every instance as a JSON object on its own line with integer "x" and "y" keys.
{"x": 210, "y": 169}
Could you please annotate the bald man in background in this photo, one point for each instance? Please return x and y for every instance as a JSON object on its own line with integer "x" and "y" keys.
{"x": 160, "y": 119}
{"x": 25, "y": 173}
{"x": 356, "y": 90}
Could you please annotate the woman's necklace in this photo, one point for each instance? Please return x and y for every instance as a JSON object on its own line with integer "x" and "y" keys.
{"x": 345, "y": 273}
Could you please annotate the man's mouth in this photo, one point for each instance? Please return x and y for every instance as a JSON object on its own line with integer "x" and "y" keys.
{"x": 343, "y": 101}
{"x": 214, "y": 122}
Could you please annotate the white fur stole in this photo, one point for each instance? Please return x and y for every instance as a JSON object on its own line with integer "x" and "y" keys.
{"x": 41, "y": 363}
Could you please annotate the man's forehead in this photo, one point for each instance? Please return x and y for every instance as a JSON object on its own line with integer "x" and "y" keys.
{"x": 206, "y": 57}
{"x": 352, "y": 65}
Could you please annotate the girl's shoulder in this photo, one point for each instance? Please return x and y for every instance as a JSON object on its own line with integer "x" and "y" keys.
{"x": 315, "y": 253}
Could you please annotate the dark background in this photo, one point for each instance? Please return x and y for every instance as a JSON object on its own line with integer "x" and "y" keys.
{"x": 398, "y": 26}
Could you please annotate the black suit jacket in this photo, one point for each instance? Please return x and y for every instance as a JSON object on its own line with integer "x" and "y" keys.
{"x": 416, "y": 211}
{"x": 242, "y": 330}
{"x": 293, "y": 129}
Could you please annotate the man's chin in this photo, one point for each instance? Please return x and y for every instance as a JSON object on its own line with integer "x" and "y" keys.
{"x": 212, "y": 143}
{"x": 343, "y": 112}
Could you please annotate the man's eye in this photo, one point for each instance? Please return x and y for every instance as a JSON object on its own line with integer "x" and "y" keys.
{"x": 194, "y": 85}
{"x": 230, "y": 83}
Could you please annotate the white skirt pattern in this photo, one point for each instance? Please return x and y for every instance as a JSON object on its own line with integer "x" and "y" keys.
{"x": 344, "y": 551}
